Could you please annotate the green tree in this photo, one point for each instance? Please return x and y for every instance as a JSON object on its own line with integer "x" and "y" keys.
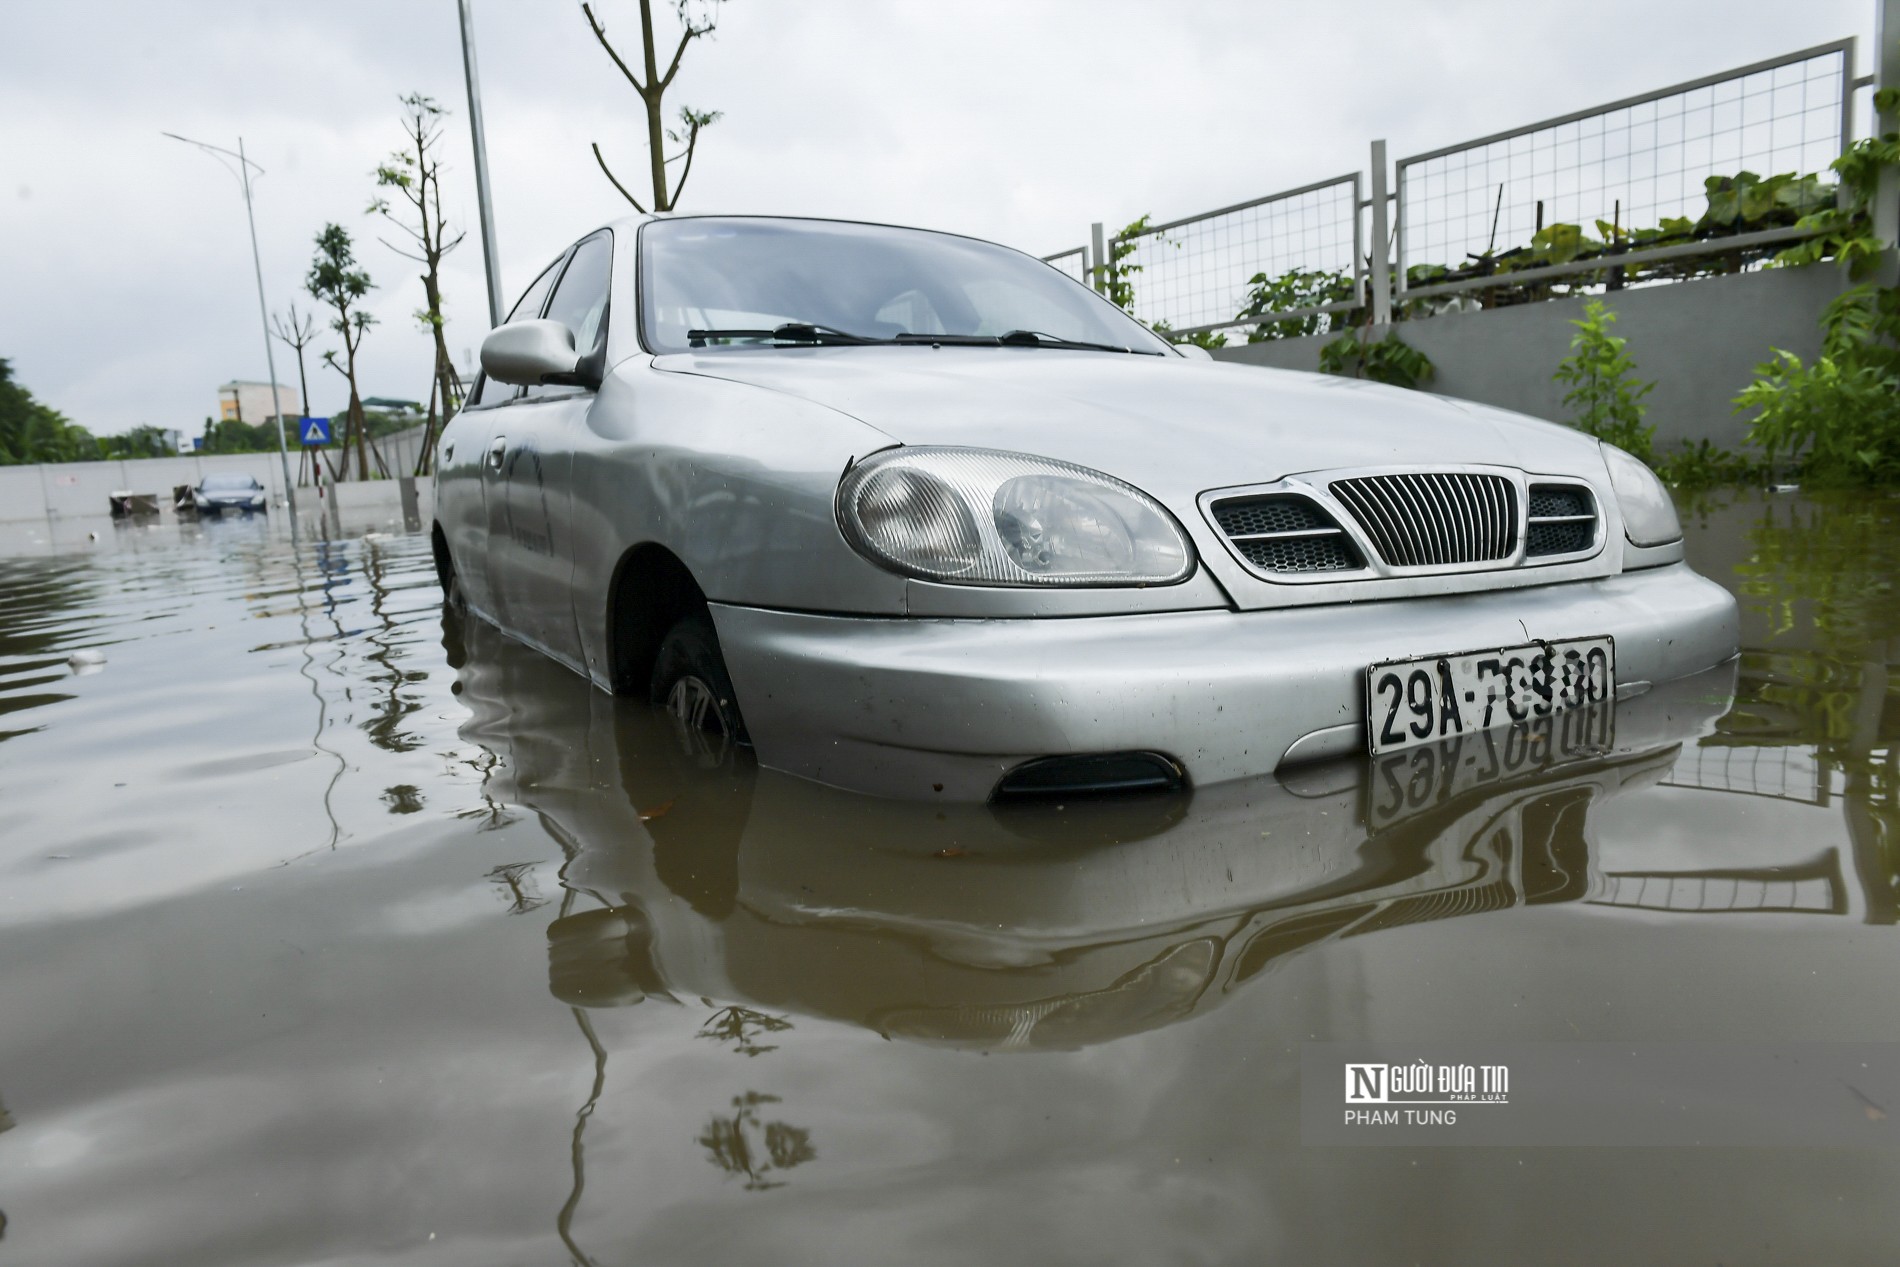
{"x": 142, "y": 441}
{"x": 697, "y": 21}
{"x": 1604, "y": 390}
{"x": 415, "y": 173}
{"x": 336, "y": 279}
{"x": 32, "y": 432}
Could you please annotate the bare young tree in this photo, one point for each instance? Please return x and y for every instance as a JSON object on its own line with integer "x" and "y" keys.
{"x": 335, "y": 279}
{"x": 297, "y": 330}
{"x": 415, "y": 173}
{"x": 697, "y": 20}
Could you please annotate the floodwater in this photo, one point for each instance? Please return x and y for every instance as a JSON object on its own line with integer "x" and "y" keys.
{"x": 333, "y": 932}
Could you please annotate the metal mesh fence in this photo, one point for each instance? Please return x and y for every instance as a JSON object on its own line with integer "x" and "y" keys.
{"x": 1785, "y": 773}
{"x": 1689, "y": 892}
{"x": 1074, "y": 262}
{"x": 1195, "y": 272}
{"x": 1632, "y": 162}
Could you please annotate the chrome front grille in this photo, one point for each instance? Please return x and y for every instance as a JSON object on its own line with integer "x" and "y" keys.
{"x": 1286, "y": 534}
{"x": 1433, "y": 519}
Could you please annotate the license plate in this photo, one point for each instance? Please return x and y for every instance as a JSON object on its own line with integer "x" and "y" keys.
{"x": 1435, "y": 697}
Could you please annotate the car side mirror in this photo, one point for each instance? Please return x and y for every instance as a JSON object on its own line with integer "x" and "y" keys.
{"x": 1194, "y": 351}
{"x": 531, "y": 353}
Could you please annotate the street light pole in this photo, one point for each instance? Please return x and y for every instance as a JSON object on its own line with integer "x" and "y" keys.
{"x": 263, "y": 312}
{"x": 491, "y": 265}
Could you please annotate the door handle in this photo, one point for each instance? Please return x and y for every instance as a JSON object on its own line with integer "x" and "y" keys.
{"x": 495, "y": 454}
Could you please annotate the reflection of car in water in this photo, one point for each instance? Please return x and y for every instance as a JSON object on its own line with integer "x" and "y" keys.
{"x": 690, "y": 873}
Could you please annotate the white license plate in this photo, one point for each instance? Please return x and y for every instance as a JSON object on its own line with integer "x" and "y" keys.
{"x": 1435, "y": 697}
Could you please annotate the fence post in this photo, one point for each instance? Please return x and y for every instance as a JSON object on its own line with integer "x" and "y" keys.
{"x": 1382, "y": 237}
{"x": 1097, "y": 258}
{"x": 1887, "y": 75}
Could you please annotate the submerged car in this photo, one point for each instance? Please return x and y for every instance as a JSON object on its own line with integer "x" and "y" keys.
{"x": 216, "y": 494}
{"x": 917, "y": 514}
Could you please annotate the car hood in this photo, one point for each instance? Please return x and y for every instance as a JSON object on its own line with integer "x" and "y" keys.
{"x": 1172, "y": 426}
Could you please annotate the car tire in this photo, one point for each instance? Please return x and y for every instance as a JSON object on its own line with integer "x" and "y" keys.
{"x": 691, "y": 683}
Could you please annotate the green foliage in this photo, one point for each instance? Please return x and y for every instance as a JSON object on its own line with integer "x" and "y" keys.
{"x": 32, "y": 432}
{"x": 1116, "y": 276}
{"x": 1603, "y": 388}
{"x": 228, "y": 435}
{"x": 1746, "y": 201}
{"x": 1208, "y": 339}
{"x": 143, "y": 441}
{"x": 1838, "y": 418}
{"x": 1388, "y": 361}
{"x": 1296, "y": 288}
{"x": 1705, "y": 465}
{"x": 1742, "y": 203}
{"x": 337, "y": 280}
{"x": 1844, "y": 228}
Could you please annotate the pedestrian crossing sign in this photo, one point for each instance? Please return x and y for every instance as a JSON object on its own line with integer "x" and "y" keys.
{"x": 313, "y": 431}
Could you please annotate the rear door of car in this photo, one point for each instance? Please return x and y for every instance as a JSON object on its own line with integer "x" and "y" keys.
{"x": 535, "y": 438}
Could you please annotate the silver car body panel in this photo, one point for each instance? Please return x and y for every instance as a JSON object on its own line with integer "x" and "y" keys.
{"x": 943, "y": 708}
{"x": 730, "y": 459}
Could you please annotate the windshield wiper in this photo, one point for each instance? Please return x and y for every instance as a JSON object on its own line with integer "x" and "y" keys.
{"x": 1011, "y": 339}
{"x": 790, "y": 332}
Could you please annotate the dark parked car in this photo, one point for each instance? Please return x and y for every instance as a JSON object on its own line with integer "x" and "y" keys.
{"x": 217, "y": 493}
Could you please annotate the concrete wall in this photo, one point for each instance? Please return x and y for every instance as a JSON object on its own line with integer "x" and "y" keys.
{"x": 1698, "y": 341}
{"x": 79, "y": 490}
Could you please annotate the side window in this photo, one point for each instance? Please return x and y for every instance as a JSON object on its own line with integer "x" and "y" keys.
{"x": 527, "y": 308}
{"x": 580, "y": 300}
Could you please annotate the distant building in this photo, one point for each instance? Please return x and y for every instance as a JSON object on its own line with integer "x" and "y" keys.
{"x": 250, "y": 403}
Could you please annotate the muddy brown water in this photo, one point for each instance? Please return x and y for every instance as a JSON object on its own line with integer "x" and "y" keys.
{"x": 331, "y": 932}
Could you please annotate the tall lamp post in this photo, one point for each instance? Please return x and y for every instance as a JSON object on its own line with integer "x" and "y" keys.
{"x": 490, "y": 264}
{"x": 244, "y": 168}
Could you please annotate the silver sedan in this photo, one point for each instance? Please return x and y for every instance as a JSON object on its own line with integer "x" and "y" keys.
{"x": 916, "y": 514}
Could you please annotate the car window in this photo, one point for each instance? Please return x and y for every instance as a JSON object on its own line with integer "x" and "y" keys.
{"x": 526, "y": 308}
{"x": 744, "y": 273}
{"x": 580, "y": 299}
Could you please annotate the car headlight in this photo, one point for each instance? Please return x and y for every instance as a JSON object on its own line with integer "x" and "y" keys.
{"x": 257, "y": 499}
{"x": 1649, "y": 516}
{"x": 982, "y": 517}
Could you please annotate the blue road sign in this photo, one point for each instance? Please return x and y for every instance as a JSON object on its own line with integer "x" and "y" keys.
{"x": 313, "y": 431}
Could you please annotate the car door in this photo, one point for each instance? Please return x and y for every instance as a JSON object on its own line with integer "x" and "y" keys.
{"x": 484, "y": 569}
{"x": 534, "y": 444}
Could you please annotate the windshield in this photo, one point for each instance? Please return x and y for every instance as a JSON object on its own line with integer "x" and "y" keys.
{"x": 742, "y": 273}
{"x": 228, "y": 483}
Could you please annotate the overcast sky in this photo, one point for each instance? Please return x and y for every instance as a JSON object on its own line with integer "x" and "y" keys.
{"x": 126, "y": 276}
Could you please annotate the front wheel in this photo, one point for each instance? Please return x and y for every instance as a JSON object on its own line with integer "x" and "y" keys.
{"x": 690, "y": 680}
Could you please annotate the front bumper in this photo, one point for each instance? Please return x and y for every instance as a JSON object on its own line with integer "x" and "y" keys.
{"x": 941, "y": 709}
